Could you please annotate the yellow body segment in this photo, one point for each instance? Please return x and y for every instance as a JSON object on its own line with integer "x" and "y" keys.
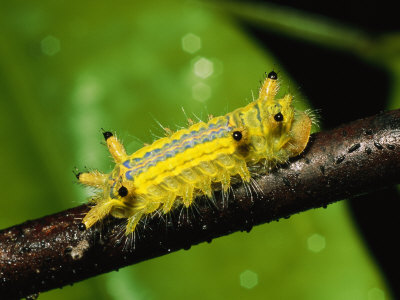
{"x": 199, "y": 159}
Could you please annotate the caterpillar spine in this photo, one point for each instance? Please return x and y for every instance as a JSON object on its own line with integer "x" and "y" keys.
{"x": 195, "y": 161}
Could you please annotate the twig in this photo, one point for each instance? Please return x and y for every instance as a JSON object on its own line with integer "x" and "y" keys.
{"x": 345, "y": 162}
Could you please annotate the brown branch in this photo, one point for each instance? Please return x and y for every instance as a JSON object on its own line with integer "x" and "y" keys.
{"x": 345, "y": 162}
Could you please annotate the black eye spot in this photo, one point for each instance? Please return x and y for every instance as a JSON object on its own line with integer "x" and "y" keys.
{"x": 272, "y": 75}
{"x": 123, "y": 191}
{"x": 278, "y": 117}
{"x": 237, "y": 135}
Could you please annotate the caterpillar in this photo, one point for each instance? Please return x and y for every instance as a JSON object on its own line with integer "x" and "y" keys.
{"x": 196, "y": 161}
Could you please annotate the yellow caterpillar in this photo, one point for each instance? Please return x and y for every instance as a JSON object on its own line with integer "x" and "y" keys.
{"x": 197, "y": 160}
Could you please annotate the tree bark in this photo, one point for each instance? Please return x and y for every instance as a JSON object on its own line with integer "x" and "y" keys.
{"x": 57, "y": 250}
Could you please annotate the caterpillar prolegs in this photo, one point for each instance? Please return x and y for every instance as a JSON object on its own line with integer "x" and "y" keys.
{"x": 195, "y": 161}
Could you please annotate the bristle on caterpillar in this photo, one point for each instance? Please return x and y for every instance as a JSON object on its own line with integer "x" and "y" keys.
{"x": 195, "y": 161}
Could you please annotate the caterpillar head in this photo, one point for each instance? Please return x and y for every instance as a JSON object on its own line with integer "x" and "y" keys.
{"x": 273, "y": 130}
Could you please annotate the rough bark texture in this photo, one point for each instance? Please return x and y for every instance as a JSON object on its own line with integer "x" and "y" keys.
{"x": 345, "y": 162}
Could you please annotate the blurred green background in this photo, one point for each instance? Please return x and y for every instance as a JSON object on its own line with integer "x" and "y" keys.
{"x": 68, "y": 69}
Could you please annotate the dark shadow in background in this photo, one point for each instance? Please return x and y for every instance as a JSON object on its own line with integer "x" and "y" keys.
{"x": 345, "y": 88}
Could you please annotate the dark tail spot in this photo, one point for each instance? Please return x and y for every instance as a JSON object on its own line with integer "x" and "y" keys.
{"x": 107, "y": 135}
{"x": 272, "y": 75}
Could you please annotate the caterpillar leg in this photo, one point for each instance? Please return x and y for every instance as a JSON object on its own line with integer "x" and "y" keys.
{"x": 187, "y": 197}
{"x": 225, "y": 182}
{"x": 205, "y": 187}
{"x": 243, "y": 171}
{"x": 95, "y": 179}
{"x": 269, "y": 88}
{"x": 117, "y": 150}
{"x": 152, "y": 207}
{"x": 133, "y": 221}
{"x": 99, "y": 212}
{"x": 169, "y": 201}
